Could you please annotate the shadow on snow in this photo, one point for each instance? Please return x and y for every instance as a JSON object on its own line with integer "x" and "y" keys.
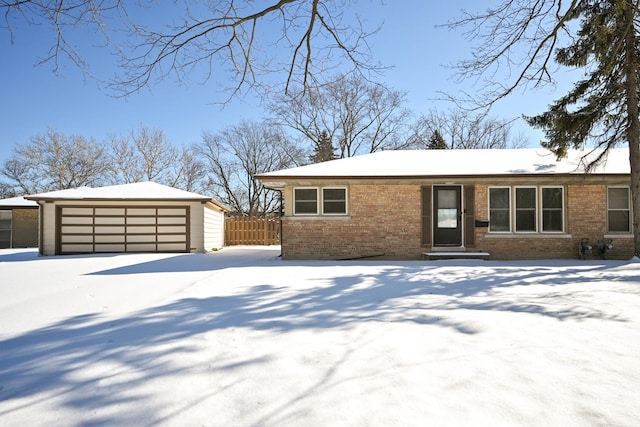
{"x": 50, "y": 358}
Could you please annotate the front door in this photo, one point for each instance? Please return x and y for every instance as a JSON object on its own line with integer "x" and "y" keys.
{"x": 447, "y": 215}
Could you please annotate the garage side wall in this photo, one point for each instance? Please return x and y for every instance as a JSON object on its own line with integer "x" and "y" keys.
{"x": 47, "y": 228}
{"x": 213, "y": 229}
{"x": 196, "y": 231}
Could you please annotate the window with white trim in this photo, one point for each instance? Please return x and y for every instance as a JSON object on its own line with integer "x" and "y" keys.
{"x": 552, "y": 209}
{"x": 526, "y": 209}
{"x": 309, "y": 201}
{"x": 618, "y": 210}
{"x": 499, "y": 208}
{"x": 305, "y": 201}
{"x": 334, "y": 201}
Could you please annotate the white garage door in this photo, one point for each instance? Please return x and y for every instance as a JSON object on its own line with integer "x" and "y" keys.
{"x": 122, "y": 229}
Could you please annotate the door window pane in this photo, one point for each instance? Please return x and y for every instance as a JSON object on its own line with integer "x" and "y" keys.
{"x": 447, "y": 208}
{"x": 447, "y": 199}
{"x": 447, "y": 218}
{"x": 499, "y": 209}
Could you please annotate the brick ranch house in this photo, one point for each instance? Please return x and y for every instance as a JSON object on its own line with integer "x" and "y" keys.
{"x": 505, "y": 204}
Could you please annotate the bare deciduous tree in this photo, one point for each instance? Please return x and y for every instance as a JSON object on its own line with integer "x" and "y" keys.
{"x": 7, "y": 190}
{"x": 147, "y": 155}
{"x": 357, "y": 115}
{"x": 236, "y": 154}
{"x": 244, "y": 39}
{"x": 464, "y": 130}
{"x": 188, "y": 171}
{"x": 54, "y": 161}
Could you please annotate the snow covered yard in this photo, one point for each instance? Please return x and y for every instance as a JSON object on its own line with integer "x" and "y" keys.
{"x": 242, "y": 338}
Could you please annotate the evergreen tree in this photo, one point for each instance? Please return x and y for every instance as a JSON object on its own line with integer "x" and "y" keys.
{"x": 436, "y": 142}
{"x": 601, "y": 38}
{"x": 323, "y": 149}
{"x": 603, "y": 107}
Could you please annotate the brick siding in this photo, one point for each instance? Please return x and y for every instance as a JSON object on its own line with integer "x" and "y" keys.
{"x": 376, "y": 226}
{"x": 385, "y": 221}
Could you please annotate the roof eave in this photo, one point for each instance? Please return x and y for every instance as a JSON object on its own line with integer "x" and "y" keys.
{"x": 112, "y": 199}
{"x": 280, "y": 178}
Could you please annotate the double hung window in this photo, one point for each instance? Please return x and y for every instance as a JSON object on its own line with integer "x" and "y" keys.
{"x": 618, "y": 210}
{"x": 320, "y": 201}
{"x": 526, "y": 209}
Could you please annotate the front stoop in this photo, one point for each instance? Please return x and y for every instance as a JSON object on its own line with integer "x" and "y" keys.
{"x": 454, "y": 255}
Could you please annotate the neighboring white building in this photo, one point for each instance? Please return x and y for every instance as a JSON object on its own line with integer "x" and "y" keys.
{"x": 18, "y": 223}
{"x": 139, "y": 217}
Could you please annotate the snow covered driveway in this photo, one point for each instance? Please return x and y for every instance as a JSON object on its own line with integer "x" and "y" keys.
{"x": 242, "y": 338}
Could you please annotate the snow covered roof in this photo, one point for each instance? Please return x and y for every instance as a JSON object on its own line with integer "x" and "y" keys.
{"x": 136, "y": 191}
{"x": 443, "y": 163}
{"x": 17, "y": 202}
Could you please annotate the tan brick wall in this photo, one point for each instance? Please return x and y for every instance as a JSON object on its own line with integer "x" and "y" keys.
{"x": 385, "y": 221}
{"x": 585, "y": 209}
{"x": 25, "y": 228}
{"x": 377, "y": 227}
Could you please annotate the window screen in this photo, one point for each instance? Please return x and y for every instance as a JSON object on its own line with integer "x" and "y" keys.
{"x": 305, "y": 201}
{"x": 499, "y": 205}
{"x": 334, "y": 201}
{"x": 525, "y": 209}
{"x": 552, "y": 209}
{"x": 618, "y": 212}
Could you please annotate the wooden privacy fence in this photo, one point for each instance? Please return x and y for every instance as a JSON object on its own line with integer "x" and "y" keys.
{"x": 251, "y": 231}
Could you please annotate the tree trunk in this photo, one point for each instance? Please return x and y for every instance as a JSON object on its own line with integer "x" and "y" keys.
{"x": 633, "y": 130}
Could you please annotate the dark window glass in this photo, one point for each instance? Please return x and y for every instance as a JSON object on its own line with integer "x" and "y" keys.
{"x": 552, "y": 209}
{"x": 618, "y": 212}
{"x": 525, "y": 209}
{"x": 334, "y": 201}
{"x": 499, "y": 209}
{"x": 305, "y": 201}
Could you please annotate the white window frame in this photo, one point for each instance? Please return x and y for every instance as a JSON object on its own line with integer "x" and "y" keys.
{"x": 562, "y": 212}
{"x": 346, "y": 201}
{"x": 629, "y": 204}
{"x": 538, "y": 209}
{"x": 515, "y": 209}
{"x": 317, "y": 201}
{"x": 509, "y": 209}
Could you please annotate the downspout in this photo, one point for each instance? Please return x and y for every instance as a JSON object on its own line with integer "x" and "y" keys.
{"x": 281, "y": 215}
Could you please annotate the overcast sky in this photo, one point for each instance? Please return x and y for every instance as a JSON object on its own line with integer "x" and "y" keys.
{"x": 35, "y": 98}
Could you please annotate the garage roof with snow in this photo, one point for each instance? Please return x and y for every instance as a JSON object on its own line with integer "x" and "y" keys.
{"x": 147, "y": 191}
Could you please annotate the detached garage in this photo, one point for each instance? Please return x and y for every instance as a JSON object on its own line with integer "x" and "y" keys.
{"x": 140, "y": 217}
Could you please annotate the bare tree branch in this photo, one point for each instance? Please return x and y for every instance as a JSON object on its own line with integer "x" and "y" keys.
{"x": 212, "y": 40}
{"x": 518, "y": 34}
